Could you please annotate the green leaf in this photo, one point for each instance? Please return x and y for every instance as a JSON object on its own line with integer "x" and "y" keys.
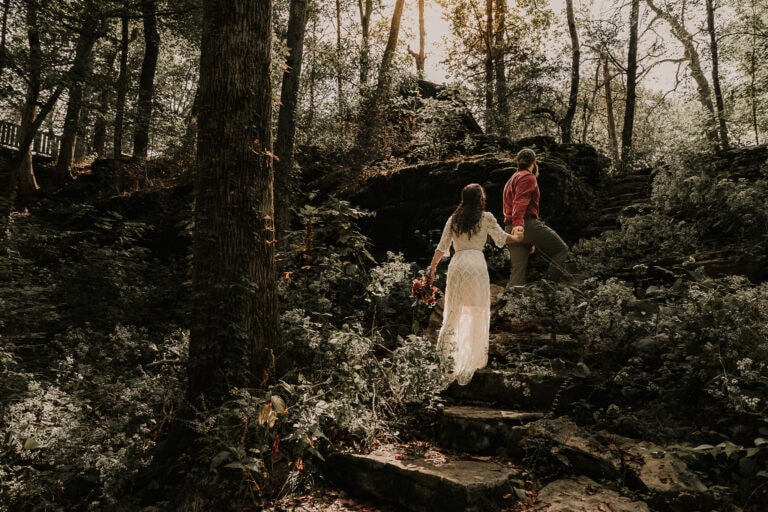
{"x": 219, "y": 458}
{"x": 31, "y": 444}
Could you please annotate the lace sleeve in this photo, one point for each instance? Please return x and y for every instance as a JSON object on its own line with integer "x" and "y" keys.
{"x": 496, "y": 232}
{"x": 445, "y": 239}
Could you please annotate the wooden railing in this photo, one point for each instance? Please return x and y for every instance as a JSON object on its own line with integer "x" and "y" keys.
{"x": 45, "y": 144}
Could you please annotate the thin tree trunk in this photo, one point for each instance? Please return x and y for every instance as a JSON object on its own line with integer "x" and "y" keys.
{"x": 339, "y": 63}
{"x": 371, "y": 126}
{"x": 500, "y": 68}
{"x": 612, "y": 140}
{"x": 573, "y": 96}
{"x": 490, "y": 114}
{"x": 629, "y": 108}
{"x": 234, "y": 326}
{"x": 722, "y": 128}
{"x": 285, "y": 179}
{"x": 753, "y": 67}
{"x": 366, "y": 9}
{"x": 122, "y": 92}
{"x": 147, "y": 79}
{"x": 420, "y": 56}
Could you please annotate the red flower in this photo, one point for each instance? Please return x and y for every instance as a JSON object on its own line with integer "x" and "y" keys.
{"x": 424, "y": 291}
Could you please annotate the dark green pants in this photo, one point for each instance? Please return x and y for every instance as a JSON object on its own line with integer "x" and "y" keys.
{"x": 546, "y": 241}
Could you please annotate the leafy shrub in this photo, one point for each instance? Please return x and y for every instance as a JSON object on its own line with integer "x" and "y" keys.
{"x": 641, "y": 238}
{"x": 266, "y": 445}
{"x": 695, "y": 188}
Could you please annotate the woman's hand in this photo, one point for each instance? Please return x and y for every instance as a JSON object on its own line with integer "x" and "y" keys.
{"x": 517, "y": 234}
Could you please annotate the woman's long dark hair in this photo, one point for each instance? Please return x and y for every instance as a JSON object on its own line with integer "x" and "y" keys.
{"x": 466, "y": 218}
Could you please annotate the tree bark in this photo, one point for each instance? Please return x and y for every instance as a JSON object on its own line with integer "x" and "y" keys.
{"x": 285, "y": 178}
{"x": 147, "y": 79}
{"x": 366, "y": 9}
{"x": 122, "y": 92}
{"x": 722, "y": 128}
{"x": 631, "y": 100}
{"x": 612, "y": 140}
{"x": 500, "y": 67}
{"x": 490, "y": 110}
{"x": 22, "y": 175}
{"x": 4, "y": 36}
{"x": 81, "y": 68}
{"x": 371, "y": 124}
{"x": 235, "y": 319}
{"x": 566, "y": 125}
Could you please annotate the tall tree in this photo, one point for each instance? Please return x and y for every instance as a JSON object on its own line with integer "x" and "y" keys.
{"x": 366, "y": 10}
{"x": 420, "y": 57}
{"x": 631, "y": 99}
{"x": 500, "y": 67}
{"x": 4, "y": 35}
{"x": 285, "y": 182}
{"x": 611, "y": 121}
{"x": 371, "y": 126}
{"x": 234, "y": 320}
{"x": 122, "y": 94}
{"x": 81, "y": 68}
{"x": 694, "y": 64}
{"x": 34, "y": 110}
{"x": 566, "y": 125}
{"x": 147, "y": 78}
{"x": 714, "y": 53}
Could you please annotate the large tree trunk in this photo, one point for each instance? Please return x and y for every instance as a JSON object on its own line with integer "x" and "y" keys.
{"x": 694, "y": 63}
{"x": 81, "y": 68}
{"x": 147, "y": 78}
{"x": 22, "y": 175}
{"x": 722, "y": 128}
{"x": 4, "y": 36}
{"x": 234, "y": 321}
{"x": 611, "y": 122}
{"x": 285, "y": 179}
{"x": 629, "y": 108}
{"x": 566, "y": 125}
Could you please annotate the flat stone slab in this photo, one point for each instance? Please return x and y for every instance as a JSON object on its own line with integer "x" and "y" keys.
{"x": 580, "y": 494}
{"x": 428, "y": 483}
{"x": 485, "y": 431}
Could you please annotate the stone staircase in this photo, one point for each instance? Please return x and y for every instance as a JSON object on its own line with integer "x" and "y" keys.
{"x": 485, "y": 449}
{"x": 480, "y": 453}
{"x": 624, "y": 195}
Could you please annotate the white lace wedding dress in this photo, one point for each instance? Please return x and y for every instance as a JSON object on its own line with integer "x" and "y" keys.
{"x": 467, "y": 309}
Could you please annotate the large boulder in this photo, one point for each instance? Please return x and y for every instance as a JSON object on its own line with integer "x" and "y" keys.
{"x": 412, "y": 203}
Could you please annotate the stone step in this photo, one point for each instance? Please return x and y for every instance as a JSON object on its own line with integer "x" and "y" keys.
{"x": 582, "y": 493}
{"x": 663, "y": 479}
{"x": 482, "y": 430}
{"x": 423, "y": 483}
{"x": 512, "y": 389}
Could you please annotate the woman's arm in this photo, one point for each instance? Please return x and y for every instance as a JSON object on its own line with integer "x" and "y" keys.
{"x": 435, "y": 260}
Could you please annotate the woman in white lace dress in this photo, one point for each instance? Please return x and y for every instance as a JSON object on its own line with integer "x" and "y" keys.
{"x": 467, "y": 310}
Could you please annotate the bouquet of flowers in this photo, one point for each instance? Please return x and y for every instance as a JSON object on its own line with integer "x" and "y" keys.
{"x": 425, "y": 291}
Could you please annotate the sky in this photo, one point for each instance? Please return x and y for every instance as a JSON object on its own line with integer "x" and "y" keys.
{"x": 437, "y": 28}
